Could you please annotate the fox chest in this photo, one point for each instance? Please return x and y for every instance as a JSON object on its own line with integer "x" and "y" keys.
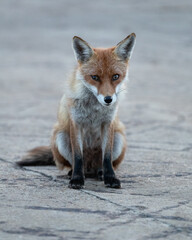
{"x": 91, "y": 114}
{"x": 90, "y": 118}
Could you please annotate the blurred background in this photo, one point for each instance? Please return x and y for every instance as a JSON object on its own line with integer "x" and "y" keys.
{"x": 35, "y": 60}
{"x": 36, "y": 57}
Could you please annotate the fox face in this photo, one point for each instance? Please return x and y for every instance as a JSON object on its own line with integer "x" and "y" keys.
{"x": 103, "y": 71}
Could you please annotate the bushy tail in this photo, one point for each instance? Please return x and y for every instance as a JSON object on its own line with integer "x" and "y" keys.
{"x": 39, "y": 156}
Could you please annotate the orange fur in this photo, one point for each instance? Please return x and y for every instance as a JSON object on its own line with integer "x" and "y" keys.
{"x": 105, "y": 64}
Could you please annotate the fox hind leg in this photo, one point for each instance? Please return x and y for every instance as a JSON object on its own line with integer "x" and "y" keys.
{"x": 61, "y": 148}
{"x": 119, "y": 147}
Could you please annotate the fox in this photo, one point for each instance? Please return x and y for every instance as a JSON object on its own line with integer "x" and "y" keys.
{"x": 88, "y": 138}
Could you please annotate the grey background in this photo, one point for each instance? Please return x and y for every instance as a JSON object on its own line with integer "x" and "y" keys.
{"x": 35, "y": 60}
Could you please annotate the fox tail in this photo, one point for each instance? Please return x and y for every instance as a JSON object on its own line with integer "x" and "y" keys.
{"x": 39, "y": 156}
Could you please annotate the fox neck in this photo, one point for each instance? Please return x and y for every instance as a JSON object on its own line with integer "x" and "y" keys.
{"x": 88, "y": 111}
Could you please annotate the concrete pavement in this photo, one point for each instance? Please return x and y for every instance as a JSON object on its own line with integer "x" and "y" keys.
{"x": 35, "y": 59}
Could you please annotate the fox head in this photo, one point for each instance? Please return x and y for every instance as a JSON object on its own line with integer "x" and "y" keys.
{"x": 103, "y": 70}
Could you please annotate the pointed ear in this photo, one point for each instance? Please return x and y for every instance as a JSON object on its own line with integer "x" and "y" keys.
{"x": 82, "y": 50}
{"x": 125, "y": 48}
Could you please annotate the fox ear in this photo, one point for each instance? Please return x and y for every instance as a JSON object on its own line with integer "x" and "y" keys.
{"x": 82, "y": 50}
{"x": 125, "y": 48}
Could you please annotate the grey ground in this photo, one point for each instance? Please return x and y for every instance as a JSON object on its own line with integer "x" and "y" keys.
{"x": 155, "y": 201}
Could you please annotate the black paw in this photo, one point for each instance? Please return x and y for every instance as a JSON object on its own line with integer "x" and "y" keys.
{"x": 77, "y": 182}
{"x": 100, "y": 175}
{"x": 112, "y": 182}
{"x": 70, "y": 174}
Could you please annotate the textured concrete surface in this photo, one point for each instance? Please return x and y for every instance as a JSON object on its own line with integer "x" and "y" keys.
{"x": 35, "y": 59}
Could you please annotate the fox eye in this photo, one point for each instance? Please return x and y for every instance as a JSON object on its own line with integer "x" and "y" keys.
{"x": 115, "y": 77}
{"x": 95, "y": 77}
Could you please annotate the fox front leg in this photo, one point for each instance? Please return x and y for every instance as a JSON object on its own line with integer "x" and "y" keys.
{"x": 110, "y": 179}
{"x": 77, "y": 179}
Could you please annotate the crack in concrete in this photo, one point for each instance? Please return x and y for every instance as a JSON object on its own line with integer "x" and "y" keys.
{"x": 171, "y": 207}
{"x": 154, "y": 216}
{"x": 72, "y": 210}
{"x": 6, "y": 161}
{"x": 40, "y": 173}
{"x": 173, "y": 231}
{"x": 49, "y": 232}
{"x": 186, "y": 149}
{"x": 179, "y": 174}
{"x": 29, "y": 170}
{"x": 149, "y": 195}
{"x": 101, "y": 198}
{"x": 53, "y": 179}
{"x": 124, "y": 209}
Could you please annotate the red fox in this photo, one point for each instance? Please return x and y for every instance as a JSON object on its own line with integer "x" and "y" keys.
{"x": 88, "y": 137}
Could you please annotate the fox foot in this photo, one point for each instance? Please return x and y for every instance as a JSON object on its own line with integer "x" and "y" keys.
{"x": 100, "y": 174}
{"x": 111, "y": 181}
{"x": 70, "y": 173}
{"x": 76, "y": 182}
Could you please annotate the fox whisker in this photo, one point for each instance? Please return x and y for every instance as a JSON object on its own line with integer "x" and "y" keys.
{"x": 121, "y": 90}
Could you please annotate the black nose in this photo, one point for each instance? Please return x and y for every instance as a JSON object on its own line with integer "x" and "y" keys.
{"x": 108, "y": 99}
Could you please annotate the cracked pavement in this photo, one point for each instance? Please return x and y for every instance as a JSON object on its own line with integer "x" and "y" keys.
{"x": 156, "y": 175}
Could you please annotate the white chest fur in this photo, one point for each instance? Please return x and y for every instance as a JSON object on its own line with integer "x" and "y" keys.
{"x": 90, "y": 115}
{"x": 88, "y": 111}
